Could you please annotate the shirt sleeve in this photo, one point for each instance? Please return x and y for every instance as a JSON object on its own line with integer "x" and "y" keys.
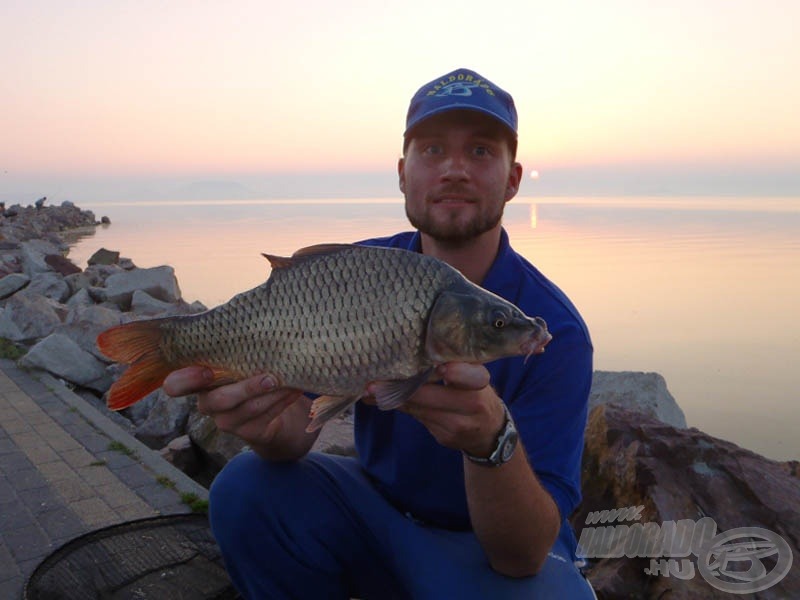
{"x": 550, "y": 411}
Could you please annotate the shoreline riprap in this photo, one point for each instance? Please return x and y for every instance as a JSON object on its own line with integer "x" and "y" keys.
{"x": 638, "y": 453}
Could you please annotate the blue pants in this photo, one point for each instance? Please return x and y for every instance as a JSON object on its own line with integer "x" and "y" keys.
{"x": 317, "y": 529}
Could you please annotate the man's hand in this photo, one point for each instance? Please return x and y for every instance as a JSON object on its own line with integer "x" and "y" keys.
{"x": 463, "y": 413}
{"x": 270, "y": 419}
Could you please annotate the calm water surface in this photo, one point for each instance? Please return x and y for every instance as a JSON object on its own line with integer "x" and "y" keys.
{"x": 704, "y": 291}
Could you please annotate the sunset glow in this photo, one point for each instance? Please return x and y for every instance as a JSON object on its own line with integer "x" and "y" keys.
{"x": 140, "y": 89}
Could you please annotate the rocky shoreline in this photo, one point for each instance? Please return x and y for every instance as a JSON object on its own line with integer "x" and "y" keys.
{"x": 639, "y": 451}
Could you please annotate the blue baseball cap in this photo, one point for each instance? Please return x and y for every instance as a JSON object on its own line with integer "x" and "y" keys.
{"x": 461, "y": 89}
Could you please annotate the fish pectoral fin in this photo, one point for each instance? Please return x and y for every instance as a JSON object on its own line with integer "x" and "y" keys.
{"x": 324, "y": 408}
{"x": 392, "y": 394}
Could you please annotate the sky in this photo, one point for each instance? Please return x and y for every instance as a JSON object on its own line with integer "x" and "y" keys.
{"x": 142, "y": 99}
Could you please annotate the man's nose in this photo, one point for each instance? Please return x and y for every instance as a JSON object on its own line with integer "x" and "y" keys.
{"x": 455, "y": 168}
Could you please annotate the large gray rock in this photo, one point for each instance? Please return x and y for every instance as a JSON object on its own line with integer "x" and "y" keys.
{"x": 50, "y": 285}
{"x": 668, "y": 476}
{"x": 93, "y": 276}
{"x": 84, "y": 323}
{"x": 33, "y": 253}
{"x": 166, "y": 420}
{"x": 26, "y": 318}
{"x": 64, "y": 358}
{"x": 12, "y": 283}
{"x": 144, "y": 304}
{"x": 159, "y": 282}
{"x": 217, "y": 446}
{"x": 336, "y": 437}
{"x": 643, "y": 392}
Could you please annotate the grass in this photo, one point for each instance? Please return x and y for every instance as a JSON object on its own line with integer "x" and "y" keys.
{"x": 121, "y": 448}
{"x": 193, "y": 501}
{"x": 10, "y": 350}
{"x": 166, "y": 482}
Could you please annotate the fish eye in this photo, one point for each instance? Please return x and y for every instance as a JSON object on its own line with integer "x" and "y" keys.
{"x": 498, "y": 320}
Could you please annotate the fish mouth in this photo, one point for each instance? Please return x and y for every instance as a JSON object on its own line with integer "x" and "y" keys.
{"x": 538, "y": 340}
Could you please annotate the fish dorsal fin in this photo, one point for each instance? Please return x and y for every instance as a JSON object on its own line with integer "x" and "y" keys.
{"x": 322, "y": 249}
{"x": 281, "y": 262}
{"x": 277, "y": 262}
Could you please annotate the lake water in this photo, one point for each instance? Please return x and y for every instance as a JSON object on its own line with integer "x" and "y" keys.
{"x": 704, "y": 291}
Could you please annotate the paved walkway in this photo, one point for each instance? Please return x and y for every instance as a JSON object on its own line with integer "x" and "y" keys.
{"x": 66, "y": 469}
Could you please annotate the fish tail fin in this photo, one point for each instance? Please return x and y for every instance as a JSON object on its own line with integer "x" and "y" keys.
{"x": 138, "y": 344}
{"x": 326, "y": 408}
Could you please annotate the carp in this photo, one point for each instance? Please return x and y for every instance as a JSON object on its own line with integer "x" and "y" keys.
{"x": 330, "y": 320}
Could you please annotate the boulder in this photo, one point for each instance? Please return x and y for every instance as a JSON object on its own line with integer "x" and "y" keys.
{"x": 159, "y": 282}
{"x": 643, "y": 392}
{"x": 181, "y": 453}
{"x": 681, "y": 485}
{"x": 12, "y": 283}
{"x": 217, "y": 446}
{"x": 80, "y": 298}
{"x": 337, "y": 437}
{"x": 27, "y": 318}
{"x": 103, "y": 257}
{"x": 84, "y": 323}
{"x": 144, "y": 304}
{"x": 92, "y": 276}
{"x": 64, "y": 358}
{"x": 166, "y": 420}
{"x": 61, "y": 264}
{"x": 50, "y": 285}
{"x": 33, "y": 253}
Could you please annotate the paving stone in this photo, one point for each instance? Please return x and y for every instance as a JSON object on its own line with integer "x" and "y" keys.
{"x": 95, "y": 512}
{"x": 73, "y": 489}
{"x": 12, "y": 588}
{"x": 13, "y": 462}
{"x": 26, "y": 543}
{"x": 59, "y": 478}
{"x": 97, "y": 474}
{"x": 39, "y": 500}
{"x": 13, "y": 516}
{"x": 8, "y": 566}
{"x": 56, "y": 471}
{"x": 26, "y": 479}
{"x": 61, "y": 523}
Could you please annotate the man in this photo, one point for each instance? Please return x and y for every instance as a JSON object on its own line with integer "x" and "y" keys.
{"x": 464, "y": 492}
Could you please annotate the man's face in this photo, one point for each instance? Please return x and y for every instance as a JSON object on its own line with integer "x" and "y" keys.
{"x": 457, "y": 174}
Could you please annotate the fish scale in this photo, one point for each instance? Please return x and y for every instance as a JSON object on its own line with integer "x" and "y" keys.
{"x": 329, "y": 320}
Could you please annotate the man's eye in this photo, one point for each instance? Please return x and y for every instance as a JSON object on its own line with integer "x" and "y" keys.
{"x": 481, "y": 151}
{"x": 433, "y": 150}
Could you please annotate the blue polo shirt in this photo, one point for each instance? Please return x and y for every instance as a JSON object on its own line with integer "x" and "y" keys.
{"x": 547, "y": 397}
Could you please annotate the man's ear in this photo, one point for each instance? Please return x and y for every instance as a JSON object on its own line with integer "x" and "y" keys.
{"x": 401, "y": 173}
{"x": 514, "y": 179}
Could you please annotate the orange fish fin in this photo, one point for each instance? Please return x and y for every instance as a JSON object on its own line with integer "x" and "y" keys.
{"x": 139, "y": 344}
{"x": 393, "y": 394}
{"x": 130, "y": 342}
{"x": 142, "y": 377}
{"x": 223, "y": 376}
{"x": 325, "y": 408}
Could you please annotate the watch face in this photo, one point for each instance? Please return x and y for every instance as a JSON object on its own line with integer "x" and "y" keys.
{"x": 509, "y": 444}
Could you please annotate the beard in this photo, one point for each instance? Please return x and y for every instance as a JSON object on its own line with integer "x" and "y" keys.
{"x": 456, "y": 230}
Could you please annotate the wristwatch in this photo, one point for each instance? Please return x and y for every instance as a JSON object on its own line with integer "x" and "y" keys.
{"x": 504, "y": 448}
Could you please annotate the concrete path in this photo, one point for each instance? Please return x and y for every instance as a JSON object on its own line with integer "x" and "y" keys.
{"x": 67, "y": 469}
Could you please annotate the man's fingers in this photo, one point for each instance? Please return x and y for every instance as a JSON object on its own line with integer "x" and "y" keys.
{"x": 188, "y": 381}
{"x": 230, "y": 396}
{"x": 465, "y": 376}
